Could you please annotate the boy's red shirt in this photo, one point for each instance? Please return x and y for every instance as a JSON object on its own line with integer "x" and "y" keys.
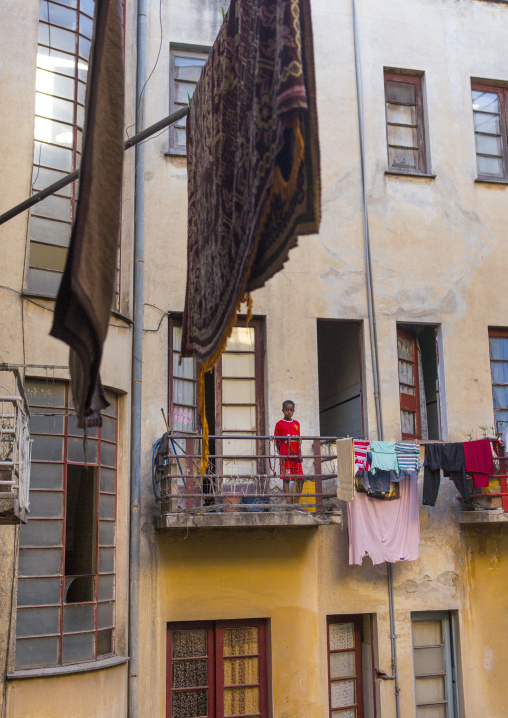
{"x": 287, "y": 428}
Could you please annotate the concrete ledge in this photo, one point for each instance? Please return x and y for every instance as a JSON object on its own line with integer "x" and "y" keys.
{"x": 481, "y": 517}
{"x": 247, "y": 519}
{"x": 85, "y": 667}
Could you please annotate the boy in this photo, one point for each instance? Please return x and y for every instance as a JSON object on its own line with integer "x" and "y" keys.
{"x": 293, "y": 465}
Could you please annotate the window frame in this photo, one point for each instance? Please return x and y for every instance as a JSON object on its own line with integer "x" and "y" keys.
{"x": 415, "y": 78}
{"x": 175, "y": 320}
{"x": 502, "y": 93}
{"x": 497, "y": 334}
{"x": 408, "y": 402}
{"x": 198, "y": 52}
{"x": 215, "y": 657}
{"x": 67, "y": 433}
{"x": 356, "y": 619}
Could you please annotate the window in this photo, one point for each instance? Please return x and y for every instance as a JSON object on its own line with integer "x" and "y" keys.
{"x": 498, "y": 345}
{"x": 490, "y": 129}
{"x": 434, "y": 665}
{"x": 65, "y": 35}
{"x": 217, "y": 668}
{"x": 418, "y": 382}
{"x": 404, "y": 122}
{"x": 185, "y": 71}
{"x": 351, "y": 667}
{"x": 66, "y": 576}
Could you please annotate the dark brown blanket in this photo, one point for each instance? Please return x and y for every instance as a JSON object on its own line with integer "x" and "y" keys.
{"x": 84, "y": 301}
{"x": 253, "y": 164}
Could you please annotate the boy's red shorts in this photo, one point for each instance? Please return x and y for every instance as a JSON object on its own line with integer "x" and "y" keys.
{"x": 288, "y": 466}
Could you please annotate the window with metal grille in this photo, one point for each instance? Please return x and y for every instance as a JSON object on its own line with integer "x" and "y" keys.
{"x": 434, "y": 662}
{"x": 405, "y": 131}
{"x": 217, "y": 668}
{"x": 186, "y": 63}
{"x": 498, "y": 346}
{"x": 66, "y": 575}
{"x": 65, "y": 34}
{"x": 491, "y": 130}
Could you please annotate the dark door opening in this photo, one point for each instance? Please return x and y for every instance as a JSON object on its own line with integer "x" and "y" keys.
{"x": 340, "y": 378}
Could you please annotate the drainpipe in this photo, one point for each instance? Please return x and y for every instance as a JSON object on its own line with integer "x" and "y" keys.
{"x": 373, "y": 329}
{"x": 137, "y": 367}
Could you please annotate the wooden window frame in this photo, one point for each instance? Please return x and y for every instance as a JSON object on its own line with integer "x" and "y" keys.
{"x": 65, "y": 411}
{"x": 502, "y": 93}
{"x": 199, "y": 52}
{"x": 356, "y": 619}
{"x": 500, "y": 334}
{"x": 215, "y": 685}
{"x": 409, "y": 402}
{"x": 415, "y": 79}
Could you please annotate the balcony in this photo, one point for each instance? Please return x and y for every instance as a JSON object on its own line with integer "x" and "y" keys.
{"x": 242, "y": 485}
{"x": 489, "y": 506}
{"x": 15, "y": 447}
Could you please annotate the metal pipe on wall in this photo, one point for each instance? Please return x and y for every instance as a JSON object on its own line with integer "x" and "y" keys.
{"x": 371, "y": 309}
{"x": 137, "y": 367}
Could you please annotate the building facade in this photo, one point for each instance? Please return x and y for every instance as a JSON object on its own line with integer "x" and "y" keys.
{"x": 248, "y": 614}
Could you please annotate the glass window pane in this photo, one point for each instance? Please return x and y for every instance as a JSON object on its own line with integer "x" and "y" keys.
{"x": 104, "y": 642}
{"x": 403, "y": 158}
{"x": 239, "y": 391}
{"x": 78, "y": 647}
{"x": 78, "y": 618}
{"x": 33, "y": 652}
{"x": 429, "y": 660}
{"x": 108, "y": 454}
{"x": 82, "y": 70}
{"x": 188, "y": 68}
{"x": 57, "y": 15}
{"x": 46, "y": 424}
{"x": 52, "y": 84}
{"x": 54, "y": 132}
{"x": 184, "y": 90}
{"x": 53, "y": 108}
{"x": 60, "y": 158}
{"x": 241, "y": 340}
{"x": 430, "y": 690}
{"x": 60, "y": 39}
{"x": 408, "y": 422}
{"x": 349, "y": 713}
{"x": 500, "y": 397}
{"x": 52, "y": 60}
{"x": 241, "y": 701}
{"x": 46, "y": 476}
{"x": 404, "y": 136}
{"x": 179, "y": 137}
{"x": 45, "y": 393}
{"x": 106, "y": 560}
{"x": 42, "y": 178}
{"x": 184, "y": 419}
{"x": 43, "y": 282}
{"x": 490, "y": 166}
{"x": 487, "y": 123}
{"x": 108, "y": 431}
{"x": 84, "y": 47}
{"x": 106, "y": 587}
{"x": 38, "y": 591}
{"x": 190, "y": 704}
{"x": 45, "y": 230}
{"x": 189, "y": 644}
{"x": 498, "y": 347}
{"x": 41, "y": 533}
{"x": 107, "y": 506}
{"x": 55, "y": 208}
{"x": 342, "y": 664}
{"x": 240, "y": 670}
{"x": 184, "y": 392}
{"x": 185, "y": 370}
{"x": 106, "y": 533}
{"x": 239, "y": 418}
{"x": 76, "y": 452}
{"x": 37, "y": 621}
{"x": 85, "y": 26}
{"x": 111, "y": 410}
{"x": 485, "y": 101}
{"x": 108, "y": 480}
{"x": 105, "y": 614}
{"x": 187, "y": 674}
{"x": 81, "y": 92}
{"x": 432, "y": 712}
{"x": 39, "y": 562}
{"x": 87, "y": 6}
{"x": 47, "y": 256}
{"x": 342, "y": 635}
{"x": 406, "y": 373}
{"x": 499, "y": 372}
{"x": 46, "y": 504}
{"x": 488, "y": 144}
{"x": 427, "y": 633}
{"x": 238, "y": 365}
{"x": 343, "y": 693}
{"x": 400, "y": 91}
{"x": 241, "y": 641}
{"x": 402, "y": 114}
{"x": 72, "y": 428}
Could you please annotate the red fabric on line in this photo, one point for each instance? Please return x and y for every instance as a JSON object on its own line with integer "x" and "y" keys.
{"x": 479, "y": 461}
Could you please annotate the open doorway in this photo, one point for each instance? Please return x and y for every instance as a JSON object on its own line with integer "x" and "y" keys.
{"x": 340, "y": 378}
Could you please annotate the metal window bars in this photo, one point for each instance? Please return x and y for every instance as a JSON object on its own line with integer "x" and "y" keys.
{"x": 15, "y": 447}
{"x": 244, "y": 473}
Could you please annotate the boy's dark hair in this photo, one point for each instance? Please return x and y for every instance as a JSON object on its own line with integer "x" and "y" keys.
{"x": 288, "y": 401}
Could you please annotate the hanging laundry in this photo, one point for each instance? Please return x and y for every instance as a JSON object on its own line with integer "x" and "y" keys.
{"x": 83, "y": 304}
{"x": 345, "y": 469}
{"x": 383, "y": 456}
{"x": 361, "y": 449}
{"x": 408, "y": 457}
{"x": 450, "y": 458}
{"x": 379, "y": 484}
{"x": 479, "y": 461}
{"x": 252, "y": 164}
{"x": 385, "y": 530}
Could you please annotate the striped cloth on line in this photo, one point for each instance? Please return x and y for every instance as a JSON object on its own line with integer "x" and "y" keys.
{"x": 408, "y": 456}
{"x": 361, "y": 448}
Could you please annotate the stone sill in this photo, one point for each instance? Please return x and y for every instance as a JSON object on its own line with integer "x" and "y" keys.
{"x": 291, "y": 519}
{"x": 481, "y": 517}
{"x": 407, "y": 173}
{"x": 491, "y": 180}
{"x": 99, "y": 665}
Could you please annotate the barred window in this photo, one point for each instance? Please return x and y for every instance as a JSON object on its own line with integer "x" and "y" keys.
{"x": 66, "y": 576}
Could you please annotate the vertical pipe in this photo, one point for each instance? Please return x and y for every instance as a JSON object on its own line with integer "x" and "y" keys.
{"x": 137, "y": 366}
{"x": 393, "y": 638}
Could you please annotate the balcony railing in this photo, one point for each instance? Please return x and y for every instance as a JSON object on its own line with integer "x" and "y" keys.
{"x": 15, "y": 447}
{"x": 244, "y": 476}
